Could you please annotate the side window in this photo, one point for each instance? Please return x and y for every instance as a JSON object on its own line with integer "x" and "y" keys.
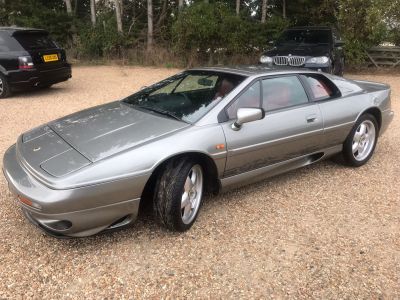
{"x": 283, "y": 92}
{"x": 250, "y": 98}
{"x": 321, "y": 87}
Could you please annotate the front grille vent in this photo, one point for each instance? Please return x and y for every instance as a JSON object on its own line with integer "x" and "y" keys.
{"x": 294, "y": 61}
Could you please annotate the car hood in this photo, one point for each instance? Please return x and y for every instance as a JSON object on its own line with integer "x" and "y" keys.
{"x": 299, "y": 50}
{"x": 77, "y": 140}
{"x": 108, "y": 129}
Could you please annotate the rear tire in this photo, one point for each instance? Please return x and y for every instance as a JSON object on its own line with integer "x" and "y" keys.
{"x": 360, "y": 144}
{"x": 4, "y": 87}
{"x": 178, "y": 194}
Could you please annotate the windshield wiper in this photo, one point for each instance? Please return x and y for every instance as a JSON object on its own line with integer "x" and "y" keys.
{"x": 161, "y": 112}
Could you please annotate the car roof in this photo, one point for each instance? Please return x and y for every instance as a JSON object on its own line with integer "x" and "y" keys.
{"x": 12, "y": 30}
{"x": 254, "y": 70}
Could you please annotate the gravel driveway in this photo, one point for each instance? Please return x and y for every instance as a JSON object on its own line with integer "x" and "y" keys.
{"x": 324, "y": 231}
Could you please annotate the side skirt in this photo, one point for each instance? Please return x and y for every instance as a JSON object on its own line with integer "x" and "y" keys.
{"x": 277, "y": 168}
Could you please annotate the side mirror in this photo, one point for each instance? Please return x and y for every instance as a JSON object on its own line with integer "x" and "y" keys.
{"x": 246, "y": 115}
{"x": 339, "y": 43}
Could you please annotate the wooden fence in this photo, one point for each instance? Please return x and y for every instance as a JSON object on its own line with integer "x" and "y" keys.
{"x": 384, "y": 56}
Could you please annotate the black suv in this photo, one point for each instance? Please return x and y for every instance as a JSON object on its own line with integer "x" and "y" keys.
{"x": 318, "y": 48}
{"x": 30, "y": 58}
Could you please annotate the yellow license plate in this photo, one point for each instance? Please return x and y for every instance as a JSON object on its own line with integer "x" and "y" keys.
{"x": 50, "y": 57}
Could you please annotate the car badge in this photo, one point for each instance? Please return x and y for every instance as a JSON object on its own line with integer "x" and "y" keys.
{"x": 36, "y": 149}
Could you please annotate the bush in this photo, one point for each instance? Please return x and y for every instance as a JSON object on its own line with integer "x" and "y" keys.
{"x": 203, "y": 32}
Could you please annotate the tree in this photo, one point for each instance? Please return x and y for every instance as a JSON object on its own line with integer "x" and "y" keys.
{"x": 264, "y": 11}
{"x": 180, "y": 5}
{"x": 93, "y": 12}
{"x": 284, "y": 9}
{"x": 237, "y": 7}
{"x": 118, "y": 15}
{"x": 69, "y": 6}
{"x": 149, "y": 25}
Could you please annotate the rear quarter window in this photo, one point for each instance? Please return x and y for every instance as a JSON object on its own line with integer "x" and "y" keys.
{"x": 321, "y": 88}
{"x": 8, "y": 43}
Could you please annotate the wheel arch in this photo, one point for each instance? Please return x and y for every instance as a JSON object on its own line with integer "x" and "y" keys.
{"x": 374, "y": 111}
{"x": 213, "y": 184}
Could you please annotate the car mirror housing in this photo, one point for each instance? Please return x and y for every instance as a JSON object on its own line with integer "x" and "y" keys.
{"x": 246, "y": 115}
{"x": 339, "y": 43}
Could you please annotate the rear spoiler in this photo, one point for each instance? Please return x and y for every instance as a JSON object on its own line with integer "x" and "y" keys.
{"x": 30, "y": 31}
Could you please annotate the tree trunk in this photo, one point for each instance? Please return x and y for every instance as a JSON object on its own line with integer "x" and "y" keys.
{"x": 149, "y": 25}
{"x": 284, "y": 9}
{"x": 118, "y": 15}
{"x": 180, "y": 5}
{"x": 206, "y": 1}
{"x": 264, "y": 11}
{"x": 69, "y": 6}
{"x": 93, "y": 12}
{"x": 237, "y": 7}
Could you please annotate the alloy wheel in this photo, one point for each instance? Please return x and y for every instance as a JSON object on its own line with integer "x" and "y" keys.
{"x": 192, "y": 193}
{"x": 364, "y": 140}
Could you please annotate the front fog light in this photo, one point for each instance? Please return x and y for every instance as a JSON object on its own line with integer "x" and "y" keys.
{"x": 266, "y": 59}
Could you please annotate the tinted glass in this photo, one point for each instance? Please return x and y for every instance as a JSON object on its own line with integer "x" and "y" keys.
{"x": 283, "y": 92}
{"x": 187, "y": 96}
{"x": 250, "y": 98}
{"x": 31, "y": 41}
{"x": 319, "y": 88}
{"x": 306, "y": 36}
{"x": 7, "y": 43}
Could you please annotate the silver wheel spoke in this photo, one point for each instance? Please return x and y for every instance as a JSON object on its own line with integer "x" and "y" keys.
{"x": 188, "y": 185}
{"x": 363, "y": 128}
{"x": 186, "y": 211}
{"x": 191, "y": 195}
{"x": 355, "y": 147}
{"x": 185, "y": 200}
{"x": 357, "y": 136}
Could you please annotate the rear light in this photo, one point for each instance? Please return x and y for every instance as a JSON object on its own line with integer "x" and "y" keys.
{"x": 25, "y": 62}
{"x": 28, "y": 202}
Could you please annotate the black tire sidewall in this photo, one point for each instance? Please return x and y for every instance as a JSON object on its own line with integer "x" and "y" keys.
{"x": 6, "y": 89}
{"x": 168, "y": 204}
{"x": 348, "y": 144}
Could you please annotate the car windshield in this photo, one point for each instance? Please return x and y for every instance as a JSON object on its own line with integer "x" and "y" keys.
{"x": 305, "y": 36}
{"x": 34, "y": 40}
{"x": 187, "y": 96}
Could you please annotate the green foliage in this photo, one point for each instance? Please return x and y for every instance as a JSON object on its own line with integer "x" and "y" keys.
{"x": 49, "y": 15}
{"x": 201, "y": 32}
{"x": 362, "y": 23}
{"x": 207, "y": 29}
{"x": 102, "y": 40}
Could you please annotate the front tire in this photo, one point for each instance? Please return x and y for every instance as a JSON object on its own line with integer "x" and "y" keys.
{"x": 178, "y": 194}
{"x": 360, "y": 143}
{"x": 4, "y": 87}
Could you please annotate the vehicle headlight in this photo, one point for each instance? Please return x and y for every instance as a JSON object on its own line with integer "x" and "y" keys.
{"x": 265, "y": 59}
{"x": 318, "y": 60}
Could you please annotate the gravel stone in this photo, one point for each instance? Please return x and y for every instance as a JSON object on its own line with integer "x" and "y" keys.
{"x": 324, "y": 231}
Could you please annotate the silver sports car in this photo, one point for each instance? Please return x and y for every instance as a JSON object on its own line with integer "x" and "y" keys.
{"x": 202, "y": 130}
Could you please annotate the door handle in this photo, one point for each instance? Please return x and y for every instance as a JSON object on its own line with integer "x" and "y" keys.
{"x": 311, "y": 118}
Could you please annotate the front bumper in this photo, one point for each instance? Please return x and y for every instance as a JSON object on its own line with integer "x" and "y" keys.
{"x": 24, "y": 79}
{"x": 73, "y": 212}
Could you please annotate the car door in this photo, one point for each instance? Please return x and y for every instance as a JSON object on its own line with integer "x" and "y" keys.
{"x": 292, "y": 126}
